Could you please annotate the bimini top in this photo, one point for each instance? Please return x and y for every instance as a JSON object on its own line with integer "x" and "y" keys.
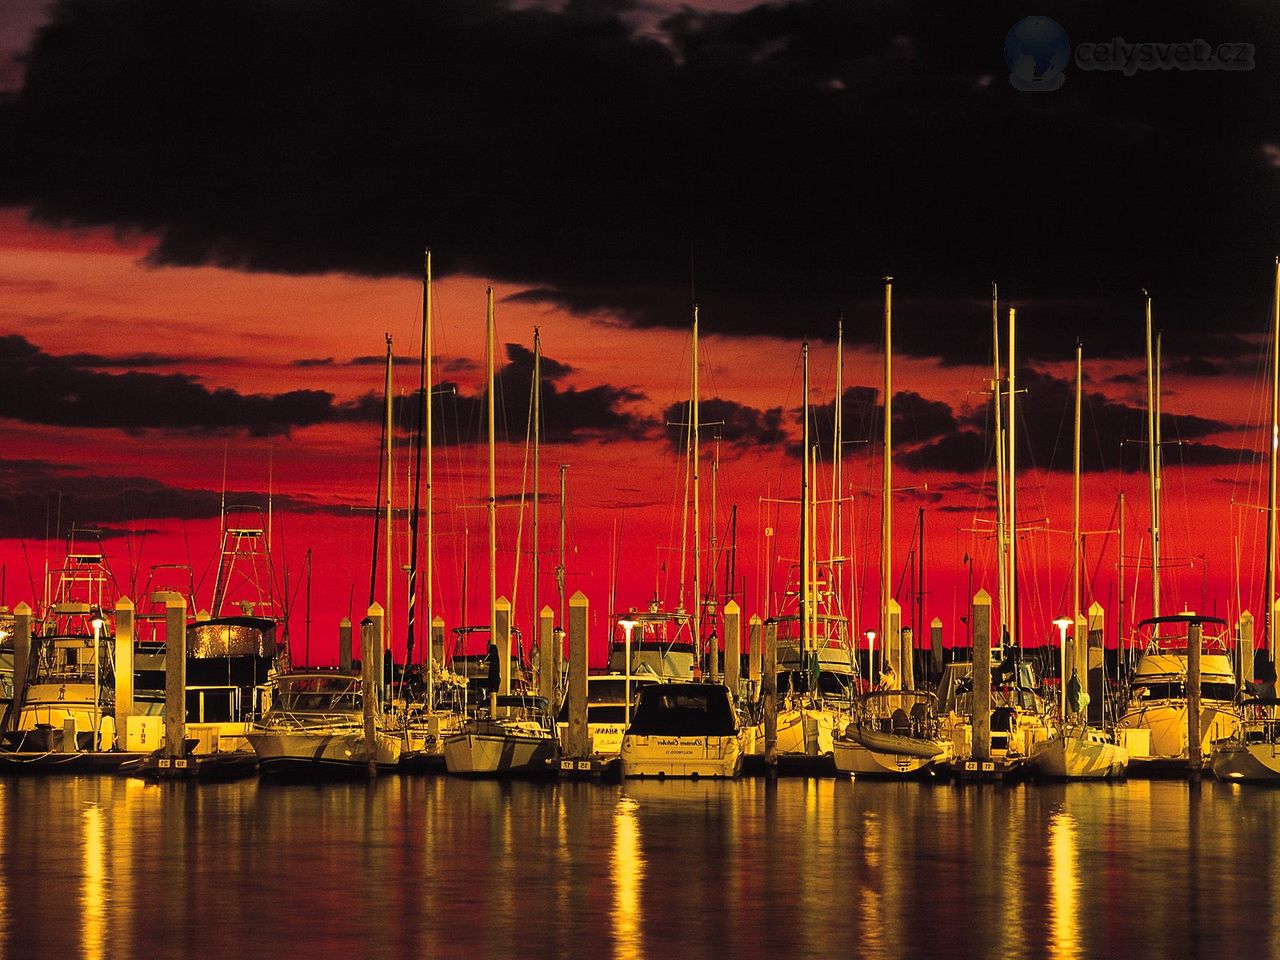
{"x": 1182, "y": 618}
{"x": 683, "y": 710}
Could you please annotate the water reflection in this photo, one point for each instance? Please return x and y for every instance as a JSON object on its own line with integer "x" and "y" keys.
{"x": 1064, "y": 879}
{"x": 628, "y": 878}
{"x": 438, "y": 868}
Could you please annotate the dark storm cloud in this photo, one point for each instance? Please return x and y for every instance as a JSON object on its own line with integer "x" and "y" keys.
{"x": 313, "y": 362}
{"x": 725, "y": 420}
{"x": 1113, "y": 435}
{"x": 39, "y": 387}
{"x": 39, "y": 498}
{"x": 916, "y": 419}
{"x": 136, "y": 361}
{"x": 790, "y": 153}
{"x": 569, "y": 414}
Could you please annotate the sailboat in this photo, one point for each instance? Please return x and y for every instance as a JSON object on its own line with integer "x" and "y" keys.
{"x": 1077, "y": 751}
{"x": 1154, "y": 724}
{"x": 1019, "y": 719}
{"x": 1253, "y": 753}
{"x": 511, "y": 735}
{"x": 815, "y": 667}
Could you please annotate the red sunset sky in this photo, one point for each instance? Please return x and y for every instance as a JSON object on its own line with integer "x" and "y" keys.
{"x": 208, "y": 273}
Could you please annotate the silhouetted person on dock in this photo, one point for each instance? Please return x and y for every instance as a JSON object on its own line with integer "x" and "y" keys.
{"x": 494, "y": 682}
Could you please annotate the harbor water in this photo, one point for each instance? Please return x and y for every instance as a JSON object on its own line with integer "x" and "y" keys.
{"x": 439, "y": 867}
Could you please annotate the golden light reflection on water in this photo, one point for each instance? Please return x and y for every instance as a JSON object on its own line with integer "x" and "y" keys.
{"x": 628, "y": 881}
{"x": 93, "y": 893}
{"x": 869, "y": 900}
{"x": 1064, "y": 885}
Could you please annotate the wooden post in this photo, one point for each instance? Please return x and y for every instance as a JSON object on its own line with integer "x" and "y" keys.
{"x": 893, "y": 652}
{"x": 982, "y": 675}
{"x": 579, "y": 738}
{"x": 437, "y": 641}
{"x": 175, "y": 677}
{"x": 502, "y": 637}
{"x": 370, "y": 670}
{"x": 755, "y": 647}
{"x": 344, "y": 645}
{"x": 769, "y": 682}
{"x": 21, "y": 658}
{"x": 1246, "y": 648}
{"x": 1195, "y": 631}
{"x": 124, "y": 668}
{"x": 378, "y": 669}
{"x": 935, "y": 646}
{"x": 732, "y": 646}
{"x": 908, "y": 658}
{"x": 547, "y": 657}
{"x": 1095, "y": 659}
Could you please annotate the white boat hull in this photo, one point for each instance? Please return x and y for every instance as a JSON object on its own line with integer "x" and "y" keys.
{"x": 1248, "y": 762}
{"x": 1073, "y": 757}
{"x": 670, "y": 756}
{"x": 852, "y": 757}
{"x": 1167, "y": 721}
{"x": 807, "y": 732}
{"x": 498, "y": 754}
{"x": 321, "y": 753}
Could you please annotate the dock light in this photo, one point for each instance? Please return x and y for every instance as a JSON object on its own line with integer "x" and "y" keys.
{"x": 871, "y": 656}
{"x": 97, "y": 623}
{"x": 627, "y": 626}
{"x": 1062, "y": 623}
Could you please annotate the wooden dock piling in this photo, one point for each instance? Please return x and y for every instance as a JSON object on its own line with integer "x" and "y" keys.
{"x": 378, "y": 664}
{"x": 755, "y": 644}
{"x": 547, "y": 656}
{"x": 982, "y": 676}
{"x": 579, "y": 738}
{"x": 21, "y": 658}
{"x": 123, "y": 669}
{"x": 769, "y": 697}
{"x": 370, "y": 669}
{"x": 344, "y": 645}
{"x": 733, "y": 647}
{"x": 1195, "y": 762}
{"x": 175, "y": 679}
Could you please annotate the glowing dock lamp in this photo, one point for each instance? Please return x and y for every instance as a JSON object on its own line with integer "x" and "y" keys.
{"x": 97, "y": 623}
{"x": 871, "y": 658}
{"x": 1062, "y": 623}
{"x": 627, "y": 626}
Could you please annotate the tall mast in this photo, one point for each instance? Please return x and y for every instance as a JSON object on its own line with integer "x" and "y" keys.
{"x": 1012, "y": 520}
{"x": 427, "y": 439}
{"x": 836, "y": 550}
{"x": 1080, "y": 637}
{"x": 886, "y": 495}
{"x": 424, "y": 428}
{"x": 387, "y": 572}
{"x": 1153, "y": 463}
{"x": 1271, "y": 467}
{"x": 805, "y": 569}
{"x": 560, "y": 569}
{"x": 537, "y": 453}
{"x": 1002, "y": 535}
{"x": 504, "y": 655}
{"x": 695, "y": 461}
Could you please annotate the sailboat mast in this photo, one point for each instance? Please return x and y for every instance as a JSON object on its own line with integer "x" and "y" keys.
{"x": 560, "y": 569}
{"x": 1273, "y": 444}
{"x": 695, "y": 462}
{"x": 836, "y": 550}
{"x": 1012, "y": 519}
{"x": 537, "y": 454}
{"x": 1002, "y": 536}
{"x": 424, "y": 415}
{"x": 429, "y": 608}
{"x": 387, "y": 545}
{"x": 805, "y": 637}
{"x": 504, "y": 656}
{"x": 1080, "y": 646}
{"x": 1153, "y": 464}
{"x": 888, "y": 652}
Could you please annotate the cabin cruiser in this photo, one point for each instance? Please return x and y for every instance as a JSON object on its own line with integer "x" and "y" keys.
{"x": 607, "y": 711}
{"x": 683, "y": 730}
{"x": 1078, "y": 751}
{"x": 1252, "y": 754}
{"x": 315, "y": 728}
{"x": 893, "y": 734}
{"x": 1154, "y": 722}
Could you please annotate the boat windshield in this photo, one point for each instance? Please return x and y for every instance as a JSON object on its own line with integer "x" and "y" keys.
{"x": 319, "y": 694}
{"x": 683, "y": 710}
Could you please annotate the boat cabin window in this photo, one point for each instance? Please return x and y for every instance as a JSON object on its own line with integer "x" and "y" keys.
{"x": 1177, "y": 690}
{"x": 321, "y": 694}
{"x": 684, "y": 709}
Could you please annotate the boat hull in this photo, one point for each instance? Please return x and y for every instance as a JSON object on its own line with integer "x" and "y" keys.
{"x": 498, "y": 755}
{"x": 686, "y": 757}
{"x": 807, "y": 732}
{"x": 321, "y": 755}
{"x": 1078, "y": 758}
{"x": 1247, "y": 762}
{"x": 1167, "y": 721}
{"x": 861, "y": 761}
